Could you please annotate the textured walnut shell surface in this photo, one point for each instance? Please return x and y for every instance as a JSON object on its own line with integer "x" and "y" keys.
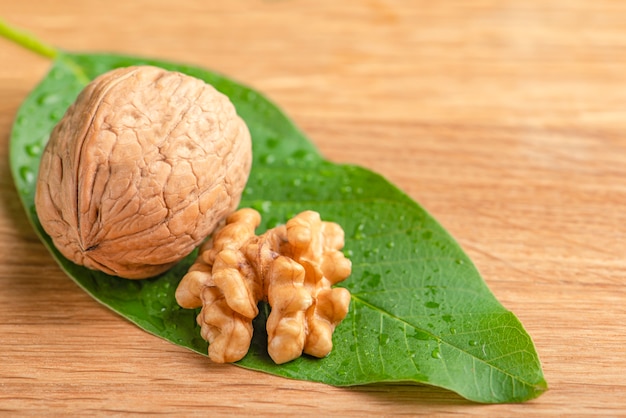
{"x": 141, "y": 168}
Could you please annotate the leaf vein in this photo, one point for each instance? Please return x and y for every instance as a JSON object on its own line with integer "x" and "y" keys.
{"x": 491, "y": 367}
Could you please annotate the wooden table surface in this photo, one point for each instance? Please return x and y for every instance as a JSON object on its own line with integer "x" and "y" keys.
{"x": 505, "y": 119}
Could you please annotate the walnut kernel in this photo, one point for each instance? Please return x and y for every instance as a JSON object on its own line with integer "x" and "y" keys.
{"x": 292, "y": 267}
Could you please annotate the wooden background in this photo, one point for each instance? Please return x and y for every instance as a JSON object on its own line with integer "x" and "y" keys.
{"x": 505, "y": 119}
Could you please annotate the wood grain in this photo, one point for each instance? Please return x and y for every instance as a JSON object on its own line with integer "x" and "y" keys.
{"x": 505, "y": 119}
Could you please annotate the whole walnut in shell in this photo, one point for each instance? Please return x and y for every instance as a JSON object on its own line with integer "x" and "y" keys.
{"x": 140, "y": 170}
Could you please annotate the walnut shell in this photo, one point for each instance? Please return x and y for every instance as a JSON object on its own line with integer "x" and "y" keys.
{"x": 142, "y": 168}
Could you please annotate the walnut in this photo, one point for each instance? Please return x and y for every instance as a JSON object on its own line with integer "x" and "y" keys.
{"x": 140, "y": 170}
{"x": 292, "y": 267}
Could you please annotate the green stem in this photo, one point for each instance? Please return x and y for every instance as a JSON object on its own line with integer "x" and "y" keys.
{"x": 27, "y": 40}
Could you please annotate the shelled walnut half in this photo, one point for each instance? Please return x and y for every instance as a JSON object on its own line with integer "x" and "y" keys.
{"x": 140, "y": 170}
{"x": 292, "y": 267}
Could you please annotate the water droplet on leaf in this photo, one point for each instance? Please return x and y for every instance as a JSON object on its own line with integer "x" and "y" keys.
{"x": 27, "y": 174}
{"x": 267, "y": 159}
{"x": 262, "y": 206}
{"x": 33, "y": 150}
{"x": 421, "y": 335}
{"x": 48, "y": 98}
{"x": 303, "y": 155}
{"x": 272, "y": 142}
{"x": 55, "y": 73}
{"x": 358, "y": 234}
{"x": 250, "y": 95}
{"x": 272, "y": 223}
{"x": 373, "y": 279}
{"x": 55, "y": 115}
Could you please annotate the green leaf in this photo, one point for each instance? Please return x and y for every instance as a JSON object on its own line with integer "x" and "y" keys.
{"x": 420, "y": 311}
